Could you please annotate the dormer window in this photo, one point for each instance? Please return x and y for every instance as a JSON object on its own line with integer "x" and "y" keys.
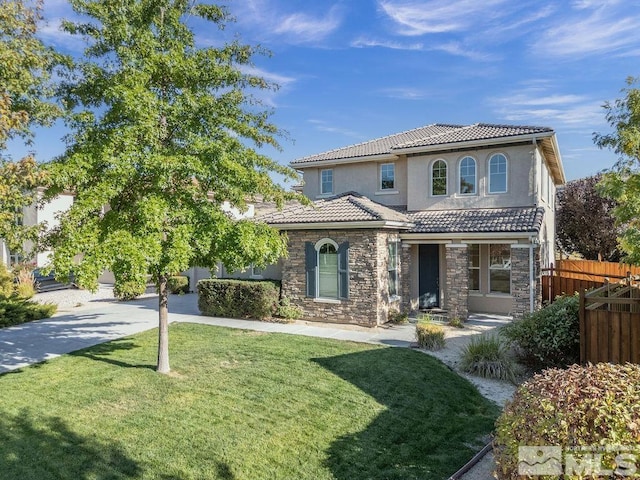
{"x": 468, "y": 176}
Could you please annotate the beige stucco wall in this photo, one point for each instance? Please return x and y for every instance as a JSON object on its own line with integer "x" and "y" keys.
{"x": 519, "y": 180}
{"x": 363, "y": 178}
{"x": 47, "y": 214}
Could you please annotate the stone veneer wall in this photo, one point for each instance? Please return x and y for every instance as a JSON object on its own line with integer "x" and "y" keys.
{"x": 520, "y": 281}
{"x": 457, "y": 280}
{"x": 405, "y": 277}
{"x": 368, "y": 302}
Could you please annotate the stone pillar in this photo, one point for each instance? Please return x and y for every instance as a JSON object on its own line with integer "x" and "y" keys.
{"x": 457, "y": 280}
{"x": 521, "y": 280}
{"x": 405, "y": 277}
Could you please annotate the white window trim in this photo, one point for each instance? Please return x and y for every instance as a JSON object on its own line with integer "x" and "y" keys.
{"x": 506, "y": 180}
{"x": 317, "y": 297}
{"x": 475, "y": 185}
{"x": 256, "y": 275}
{"x": 479, "y": 268}
{"x": 332, "y": 181}
{"x": 446, "y": 178}
{"x": 380, "y": 187}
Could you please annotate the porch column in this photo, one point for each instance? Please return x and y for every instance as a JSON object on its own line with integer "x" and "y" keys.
{"x": 405, "y": 277}
{"x": 457, "y": 281}
{"x": 526, "y": 282}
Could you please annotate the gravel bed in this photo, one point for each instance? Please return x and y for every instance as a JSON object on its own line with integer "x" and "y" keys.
{"x": 74, "y": 298}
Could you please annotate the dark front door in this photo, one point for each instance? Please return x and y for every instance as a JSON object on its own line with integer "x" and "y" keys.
{"x": 429, "y": 276}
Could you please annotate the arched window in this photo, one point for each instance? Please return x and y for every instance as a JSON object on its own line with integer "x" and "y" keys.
{"x": 327, "y": 269}
{"x": 468, "y": 176}
{"x": 498, "y": 173}
{"x": 439, "y": 178}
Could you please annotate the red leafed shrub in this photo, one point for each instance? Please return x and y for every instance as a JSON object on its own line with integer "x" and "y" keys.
{"x": 593, "y": 406}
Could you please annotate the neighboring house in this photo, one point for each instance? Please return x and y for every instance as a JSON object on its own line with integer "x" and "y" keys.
{"x": 33, "y": 215}
{"x": 458, "y": 218}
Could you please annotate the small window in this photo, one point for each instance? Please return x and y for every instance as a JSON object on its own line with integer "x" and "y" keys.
{"x": 393, "y": 269}
{"x": 500, "y": 268}
{"x": 387, "y": 176}
{"x": 498, "y": 173}
{"x": 439, "y": 178}
{"x": 327, "y": 269}
{"x": 326, "y": 181}
{"x": 474, "y": 267}
{"x": 468, "y": 176}
{"x": 256, "y": 272}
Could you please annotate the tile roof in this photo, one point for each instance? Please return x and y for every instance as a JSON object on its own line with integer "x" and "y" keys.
{"x": 346, "y": 207}
{"x": 427, "y": 136}
{"x": 478, "y": 220}
{"x": 353, "y": 207}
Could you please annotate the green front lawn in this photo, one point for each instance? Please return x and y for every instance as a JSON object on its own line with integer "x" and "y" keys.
{"x": 239, "y": 405}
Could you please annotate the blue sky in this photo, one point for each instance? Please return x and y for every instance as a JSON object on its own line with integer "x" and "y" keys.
{"x": 353, "y": 70}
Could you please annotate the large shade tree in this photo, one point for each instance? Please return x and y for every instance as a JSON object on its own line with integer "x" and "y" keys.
{"x": 585, "y": 222}
{"x": 622, "y": 181}
{"x": 165, "y": 137}
{"x": 25, "y": 100}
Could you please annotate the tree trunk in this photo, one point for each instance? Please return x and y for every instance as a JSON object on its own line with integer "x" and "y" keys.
{"x": 163, "y": 327}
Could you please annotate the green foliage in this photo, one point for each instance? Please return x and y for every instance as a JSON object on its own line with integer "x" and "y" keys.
{"x": 128, "y": 290}
{"x": 24, "y": 86}
{"x": 178, "y": 284}
{"x": 287, "y": 311}
{"x": 6, "y": 282}
{"x": 398, "y": 317}
{"x": 622, "y": 182}
{"x": 549, "y": 337}
{"x": 25, "y": 283}
{"x": 429, "y": 335}
{"x": 581, "y": 203}
{"x": 487, "y": 356}
{"x": 15, "y": 310}
{"x": 455, "y": 322}
{"x": 238, "y": 298}
{"x": 593, "y": 406}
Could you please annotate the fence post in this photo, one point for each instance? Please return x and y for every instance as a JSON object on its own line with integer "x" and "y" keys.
{"x": 583, "y": 328}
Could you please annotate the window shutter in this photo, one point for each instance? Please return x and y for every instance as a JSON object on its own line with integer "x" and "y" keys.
{"x": 343, "y": 270}
{"x": 310, "y": 260}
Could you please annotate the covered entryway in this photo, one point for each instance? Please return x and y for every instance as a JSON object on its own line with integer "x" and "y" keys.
{"x": 429, "y": 276}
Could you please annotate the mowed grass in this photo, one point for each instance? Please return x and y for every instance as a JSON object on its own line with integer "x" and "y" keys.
{"x": 239, "y": 405}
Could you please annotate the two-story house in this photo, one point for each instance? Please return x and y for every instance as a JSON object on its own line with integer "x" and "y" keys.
{"x": 459, "y": 218}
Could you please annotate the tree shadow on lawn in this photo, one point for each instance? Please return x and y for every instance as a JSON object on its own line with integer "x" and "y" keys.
{"x": 102, "y": 353}
{"x": 42, "y": 448}
{"x": 433, "y": 422}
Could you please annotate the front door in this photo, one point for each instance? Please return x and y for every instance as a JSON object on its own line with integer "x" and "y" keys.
{"x": 429, "y": 276}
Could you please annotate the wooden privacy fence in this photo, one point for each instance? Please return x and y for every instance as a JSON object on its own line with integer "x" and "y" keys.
{"x": 570, "y": 276}
{"x": 610, "y": 324}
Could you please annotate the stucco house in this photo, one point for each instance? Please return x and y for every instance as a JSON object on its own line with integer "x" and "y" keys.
{"x": 448, "y": 217}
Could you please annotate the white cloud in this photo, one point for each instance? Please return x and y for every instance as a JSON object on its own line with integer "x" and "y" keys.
{"x": 282, "y": 80}
{"x": 51, "y": 32}
{"x": 452, "y": 48}
{"x": 404, "y": 93}
{"x": 391, "y": 44}
{"x": 323, "y": 126}
{"x": 439, "y": 16}
{"x": 592, "y": 28}
{"x": 305, "y": 28}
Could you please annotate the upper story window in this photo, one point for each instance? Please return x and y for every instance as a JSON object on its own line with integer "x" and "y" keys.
{"x": 387, "y": 176}
{"x": 498, "y": 173}
{"x": 439, "y": 178}
{"x": 326, "y": 181}
{"x": 468, "y": 176}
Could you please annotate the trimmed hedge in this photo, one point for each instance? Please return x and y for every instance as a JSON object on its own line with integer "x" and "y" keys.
{"x": 178, "y": 284}
{"x": 238, "y": 298}
{"x": 595, "y": 406}
{"x": 15, "y": 310}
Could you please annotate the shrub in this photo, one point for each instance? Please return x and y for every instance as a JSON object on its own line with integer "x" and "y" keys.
{"x": 430, "y": 336}
{"x": 398, "y": 317}
{"x": 25, "y": 286}
{"x": 455, "y": 322}
{"x": 178, "y": 284}
{"x": 549, "y": 337}
{"x": 287, "y": 311}
{"x": 128, "y": 290}
{"x": 594, "y": 406}
{"x": 238, "y": 298}
{"x": 14, "y": 311}
{"x": 6, "y": 281}
{"x": 487, "y": 356}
